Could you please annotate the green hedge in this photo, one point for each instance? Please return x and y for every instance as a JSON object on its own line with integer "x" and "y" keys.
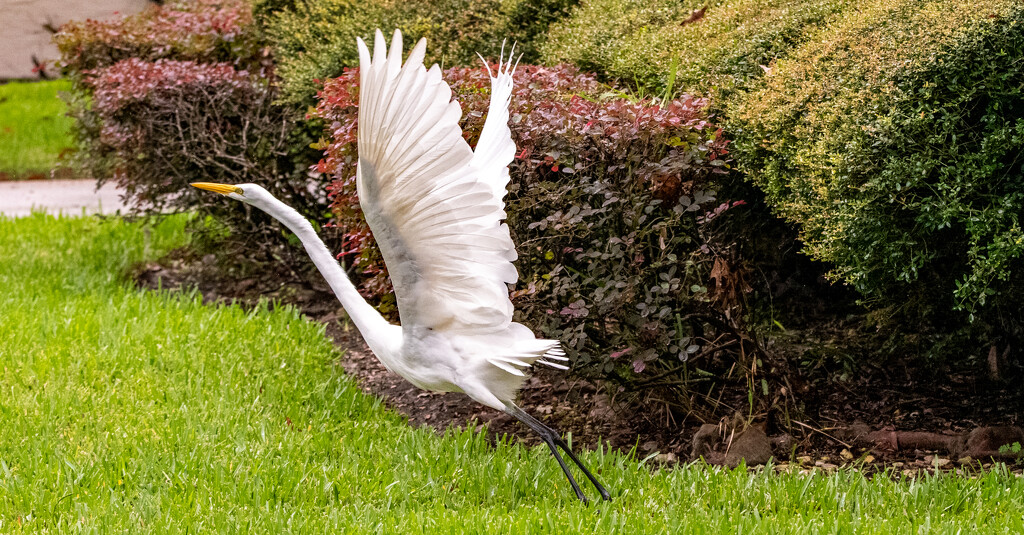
{"x": 887, "y": 129}
{"x": 641, "y": 42}
{"x": 316, "y": 40}
{"x": 896, "y": 141}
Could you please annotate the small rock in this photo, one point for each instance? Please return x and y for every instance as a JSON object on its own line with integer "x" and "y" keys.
{"x": 804, "y": 459}
{"x": 939, "y": 462}
{"x": 965, "y": 460}
{"x": 853, "y": 433}
{"x": 752, "y": 446}
{"x": 602, "y": 410}
{"x": 846, "y": 454}
{"x": 869, "y": 458}
{"x": 666, "y": 458}
{"x": 783, "y": 444}
{"x": 986, "y": 441}
{"x": 704, "y": 441}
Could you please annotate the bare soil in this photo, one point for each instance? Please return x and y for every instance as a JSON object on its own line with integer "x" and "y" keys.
{"x": 889, "y": 413}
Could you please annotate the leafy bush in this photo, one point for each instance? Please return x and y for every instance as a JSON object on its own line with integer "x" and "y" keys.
{"x": 183, "y": 93}
{"x": 200, "y": 30}
{"x": 611, "y": 204}
{"x": 895, "y": 140}
{"x": 887, "y": 129}
{"x": 690, "y": 46}
{"x": 316, "y": 40}
{"x": 167, "y": 123}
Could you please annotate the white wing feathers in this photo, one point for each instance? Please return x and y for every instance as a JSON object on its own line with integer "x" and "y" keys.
{"x": 495, "y": 149}
{"x": 436, "y": 210}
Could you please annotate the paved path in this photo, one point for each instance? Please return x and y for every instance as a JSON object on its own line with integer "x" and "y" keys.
{"x": 23, "y": 35}
{"x": 70, "y": 197}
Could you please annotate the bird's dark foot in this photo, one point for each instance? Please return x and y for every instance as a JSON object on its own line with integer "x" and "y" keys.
{"x": 554, "y": 441}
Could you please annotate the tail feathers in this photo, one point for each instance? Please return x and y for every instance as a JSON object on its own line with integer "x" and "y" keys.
{"x": 547, "y": 352}
{"x": 552, "y": 364}
{"x": 513, "y": 363}
{"x": 502, "y": 373}
{"x": 555, "y": 353}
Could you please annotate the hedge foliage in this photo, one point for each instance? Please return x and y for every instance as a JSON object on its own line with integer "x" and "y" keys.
{"x": 612, "y": 205}
{"x": 896, "y": 141}
{"x": 887, "y": 129}
{"x": 698, "y": 47}
{"x": 191, "y": 30}
{"x": 316, "y": 39}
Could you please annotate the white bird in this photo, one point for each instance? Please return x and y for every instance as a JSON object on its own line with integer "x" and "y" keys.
{"x": 436, "y": 209}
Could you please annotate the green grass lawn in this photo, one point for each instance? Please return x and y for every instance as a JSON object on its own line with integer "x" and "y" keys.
{"x": 33, "y": 128}
{"x": 130, "y": 412}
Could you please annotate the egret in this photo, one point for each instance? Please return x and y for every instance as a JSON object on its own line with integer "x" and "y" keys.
{"x": 436, "y": 208}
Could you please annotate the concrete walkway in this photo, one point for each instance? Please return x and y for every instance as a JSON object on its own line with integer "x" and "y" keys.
{"x": 24, "y": 35}
{"x": 70, "y": 197}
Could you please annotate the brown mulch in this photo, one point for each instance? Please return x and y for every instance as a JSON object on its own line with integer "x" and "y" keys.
{"x": 841, "y": 416}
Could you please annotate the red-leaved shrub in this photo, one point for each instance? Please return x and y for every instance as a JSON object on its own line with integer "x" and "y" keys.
{"x": 611, "y": 205}
{"x": 167, "y": 122}
{"x": 199, "y": 30}
{"x": 183, "y": 93}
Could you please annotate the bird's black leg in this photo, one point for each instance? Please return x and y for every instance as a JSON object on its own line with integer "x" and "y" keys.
{"x": 552, "y": 438}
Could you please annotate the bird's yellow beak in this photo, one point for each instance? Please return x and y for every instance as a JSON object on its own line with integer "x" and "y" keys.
{"x": 223, "y": 189}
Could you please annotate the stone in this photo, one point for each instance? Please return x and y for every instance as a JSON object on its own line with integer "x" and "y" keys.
{"x": 751, "y": 446}
{"x": 666, "y": 458}
{"x": 783, "y": 444}
{"x": 705, "y": 440}
{"x": 986, "y": 441}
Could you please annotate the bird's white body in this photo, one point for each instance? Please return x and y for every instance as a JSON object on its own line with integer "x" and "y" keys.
{"x": 484, "y": 365}
{"x": 436, "y": 210}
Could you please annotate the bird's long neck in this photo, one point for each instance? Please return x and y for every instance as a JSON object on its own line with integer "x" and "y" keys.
{"x": 379, "y": 334}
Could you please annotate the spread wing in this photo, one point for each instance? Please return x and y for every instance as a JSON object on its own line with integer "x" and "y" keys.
{"x": 435, "y": 208}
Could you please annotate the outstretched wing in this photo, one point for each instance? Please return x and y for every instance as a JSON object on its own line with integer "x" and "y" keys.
{"x": 435, "y": 209}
